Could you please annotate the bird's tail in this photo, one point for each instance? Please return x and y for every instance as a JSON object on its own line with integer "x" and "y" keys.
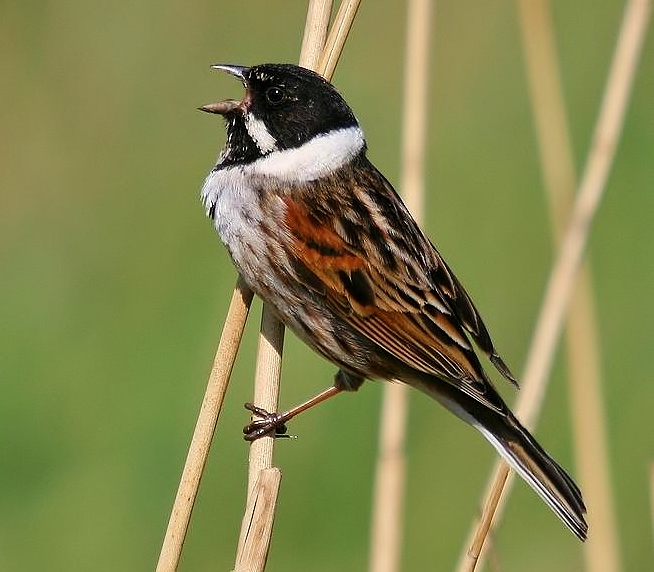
{"x": 515, "y": 444}
{"x": 543, "y": 474}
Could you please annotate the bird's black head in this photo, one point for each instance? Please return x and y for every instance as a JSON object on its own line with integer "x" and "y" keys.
{"x": 284, "y": 107}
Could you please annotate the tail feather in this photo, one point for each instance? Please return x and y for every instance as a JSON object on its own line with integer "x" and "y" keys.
{"x": 541, "y": 472}
{"x": 516, "y": 445}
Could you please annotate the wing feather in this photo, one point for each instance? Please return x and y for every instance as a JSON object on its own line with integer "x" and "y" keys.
{"x": 408, "y": 307}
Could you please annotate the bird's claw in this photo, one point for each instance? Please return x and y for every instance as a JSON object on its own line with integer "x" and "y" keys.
{"x": 269, "y": 423}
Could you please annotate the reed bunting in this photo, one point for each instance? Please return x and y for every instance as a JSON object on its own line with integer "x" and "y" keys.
{"x": 321, "y": 235}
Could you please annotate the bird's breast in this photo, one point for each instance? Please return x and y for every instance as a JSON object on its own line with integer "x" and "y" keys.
{"x": 248, "y": 218}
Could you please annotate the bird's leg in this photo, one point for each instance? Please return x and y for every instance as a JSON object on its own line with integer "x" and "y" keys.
{"x": 275, "y": 422}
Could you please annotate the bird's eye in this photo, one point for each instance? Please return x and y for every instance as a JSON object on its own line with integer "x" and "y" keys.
{"x": 275, "y": 95}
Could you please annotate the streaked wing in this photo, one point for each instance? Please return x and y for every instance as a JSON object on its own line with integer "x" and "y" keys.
{"x": 397, "y": 291}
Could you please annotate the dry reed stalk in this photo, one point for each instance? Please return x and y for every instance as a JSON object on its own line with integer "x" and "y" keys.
{"x": 557, "y": 164}
{"x": 602, "y": 549}
{"x": 253, "y": 547}
{"x": 252, "y": 550}
{"x": 230, "y": 340}
{"x": 258, "y": 522}
{"x": 562, "y": 278}
{"x": 221, "y": 370}
{"x": 315, "y": 33}
{"x": 271, "y": 339}
{"x": 390, "y": 479}
{"x": 388, "y": 502}
{"x": 338, "y": 33}
{"x": 261, "y": 514}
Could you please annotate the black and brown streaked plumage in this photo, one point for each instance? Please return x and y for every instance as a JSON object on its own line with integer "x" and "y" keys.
{"x": 320, "y": 235}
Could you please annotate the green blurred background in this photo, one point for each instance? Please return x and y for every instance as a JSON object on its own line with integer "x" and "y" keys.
{"x": 113, "y": 285}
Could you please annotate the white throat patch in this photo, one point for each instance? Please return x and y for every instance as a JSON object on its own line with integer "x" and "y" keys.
{"x": 260, "y": 135}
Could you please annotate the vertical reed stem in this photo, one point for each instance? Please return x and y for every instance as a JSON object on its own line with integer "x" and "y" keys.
{"x": 589, "y": 431}
{"x": 263, "y": 482}
{"x": 196, "y": 459}
{"x": 562, "y": 279}
{"x": 388, "y": 502}
{"x": 335, "y": 42}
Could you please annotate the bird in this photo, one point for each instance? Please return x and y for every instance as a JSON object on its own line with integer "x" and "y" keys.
{"x": 323, "y": 238}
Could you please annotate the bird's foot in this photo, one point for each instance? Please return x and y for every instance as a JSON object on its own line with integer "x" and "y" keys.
{"x": 269, "y": 423}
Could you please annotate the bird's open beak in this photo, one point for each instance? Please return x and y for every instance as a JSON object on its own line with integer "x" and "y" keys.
{"x": 229, "y": 105}
{"x": 237, "y": 71}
